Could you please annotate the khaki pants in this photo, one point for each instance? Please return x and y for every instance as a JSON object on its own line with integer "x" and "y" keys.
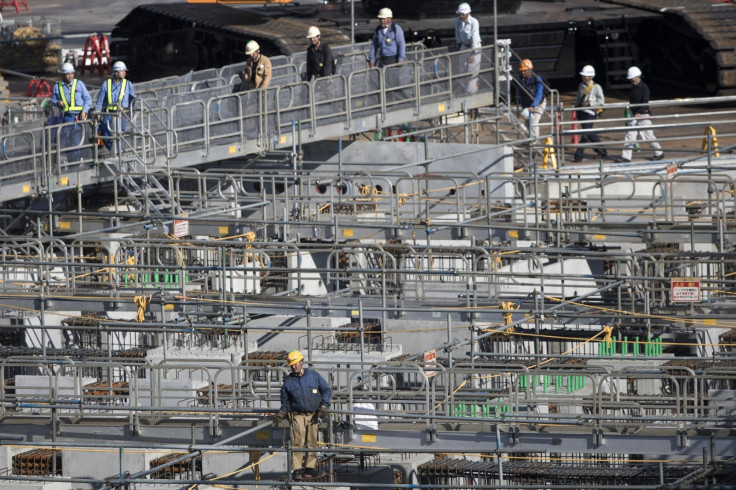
{"x": 303, "y": 434}
{"x": 468, "y": 66}
{"x": 536, "y": 117}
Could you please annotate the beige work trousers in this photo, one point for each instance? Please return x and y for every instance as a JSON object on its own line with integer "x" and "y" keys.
{"x": 641, "y": 121}
{"x": 473, "y": 67}
{"x": 303, "y": 434}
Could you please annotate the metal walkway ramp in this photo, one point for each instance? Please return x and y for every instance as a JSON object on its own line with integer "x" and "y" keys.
{"x": 196, "y": 119}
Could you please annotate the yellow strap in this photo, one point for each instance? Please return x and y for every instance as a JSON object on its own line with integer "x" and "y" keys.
{"x": 251, "y": 237}
{"x": 141, "y": 302}
{"x": 123, "y": 85}
{"x": 507, "y": 317}
{"x": 710, "y": 130}
{"x": 549, "y": 154}
{"x": 71, "y": 104}
{"x": 496, "y": 262}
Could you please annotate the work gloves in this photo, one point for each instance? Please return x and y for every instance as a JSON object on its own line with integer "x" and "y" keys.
{"x": 322, "y": 413}
{"x": 277, "y": 417}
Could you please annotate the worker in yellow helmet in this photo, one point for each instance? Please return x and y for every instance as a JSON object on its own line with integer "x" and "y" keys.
{"x": 305, "y": 398}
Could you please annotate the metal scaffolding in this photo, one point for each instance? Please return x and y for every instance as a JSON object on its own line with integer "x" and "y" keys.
{"x": 485, "y": 319}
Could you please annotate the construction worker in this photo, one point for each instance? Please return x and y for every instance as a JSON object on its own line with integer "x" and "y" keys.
{"x": 532, "y": 98}
{"x": 72, "y": 97}
{"x": 320, "y": 62}
{"x": 305, "y": 398}
{"x": 116, "y": 95}
{"x": 467, "y": 37}
{"x": 639, "y": 100}
{"x": 590, "y": 102}
{"x": 257, "y": 72}
{"x": 388, "y": 48}
{"x": 388, "y": 45}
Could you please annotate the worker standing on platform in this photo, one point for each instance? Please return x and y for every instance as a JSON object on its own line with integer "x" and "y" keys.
{"x": 305, "y": 398}
{"x": 72, "y": 97}
{"x": 467, "y": 37}
{"x": 116, "y": 95}
{"x": 531, "y": 97}
{"x": 388, "y": 45}
{"x": 257, "y": 72}
{"x": 589, "y": 101}
{"x": 320, "y": 62}
{"x": 639, "y": 100}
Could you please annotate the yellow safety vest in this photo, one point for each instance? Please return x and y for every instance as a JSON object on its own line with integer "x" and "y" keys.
{"x": 123, "y": 85}
{"x": 67, "y": 107}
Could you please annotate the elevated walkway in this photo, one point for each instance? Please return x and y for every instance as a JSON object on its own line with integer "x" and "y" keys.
{"x": 196, "y": 119}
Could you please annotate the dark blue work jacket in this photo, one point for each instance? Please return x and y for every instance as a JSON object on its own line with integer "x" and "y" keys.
{"x": 305, "y": 393}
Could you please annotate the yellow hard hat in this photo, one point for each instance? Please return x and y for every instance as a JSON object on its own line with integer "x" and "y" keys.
{"x": 526, "y": 65}
{"x": 293, "y": 357}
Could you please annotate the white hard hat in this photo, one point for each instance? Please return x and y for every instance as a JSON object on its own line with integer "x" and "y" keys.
{"x": 385, "y": 13}
{"x": 67, "y": 68}
{"x": 313, "y": 32}
{"x": 251, "y": 48}
{"x": 588, "y": 71}
{"x": 463, "y": 9}
{"x": 119, "y": 65}
{"x": 633, "y": 73}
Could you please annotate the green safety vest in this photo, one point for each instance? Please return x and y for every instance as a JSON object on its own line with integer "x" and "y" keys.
{"x": 67, "y": 107}
{"x": 110, "y": 105}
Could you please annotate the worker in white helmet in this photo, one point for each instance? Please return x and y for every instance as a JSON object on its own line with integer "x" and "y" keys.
{"x": 467, "y": 37}
{"x": 305, "y": 398}
{"x": 320, "y": 61}
{"x": 71, "y": 96}
{"x": 116, "y": 95}
{"x": 257, "y": 72}
{"x": 589, "y": 102}
{"x": 639, "y": 106}
{"x": 388, "y": 45}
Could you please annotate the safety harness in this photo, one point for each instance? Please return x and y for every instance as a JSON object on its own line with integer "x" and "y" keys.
{"x": 72, "y": 107}
{"x": 123, "y": 84}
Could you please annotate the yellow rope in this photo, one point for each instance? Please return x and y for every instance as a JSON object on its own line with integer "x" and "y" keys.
{"x": 507, "y": 317}
{"x": 141, "y": 302}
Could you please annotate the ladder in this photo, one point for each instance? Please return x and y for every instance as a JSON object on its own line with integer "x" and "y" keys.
{"x": 614, "y": 43}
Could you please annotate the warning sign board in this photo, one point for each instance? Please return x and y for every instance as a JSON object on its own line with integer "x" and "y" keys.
{"x": 181, "y": 226}
{"x": 685, "y": 289}
{"x": 430, "y": 358}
